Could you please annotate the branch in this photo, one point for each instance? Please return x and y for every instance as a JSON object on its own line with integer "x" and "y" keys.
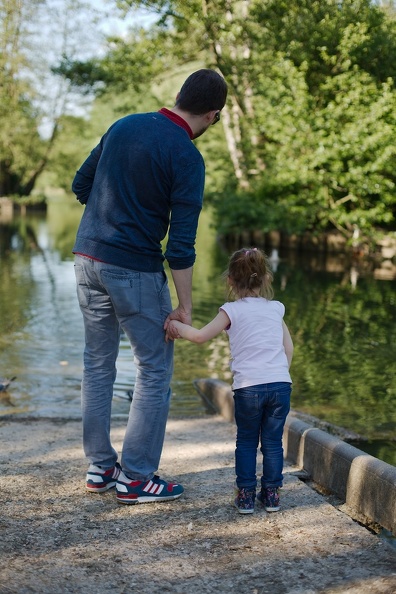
{"x": 338, "y": 227}
{"x": 343, "y": 200}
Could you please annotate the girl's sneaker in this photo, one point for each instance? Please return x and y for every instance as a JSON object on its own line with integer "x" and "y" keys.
{"x": 244, "y": 500}
{"x": 269, "y": 498}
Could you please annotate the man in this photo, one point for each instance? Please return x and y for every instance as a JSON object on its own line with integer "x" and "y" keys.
{"x": 144, "y": 178}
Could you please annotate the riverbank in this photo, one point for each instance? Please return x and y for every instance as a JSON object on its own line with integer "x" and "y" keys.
{"x": 330, "y": 242}
{"x": 57, "y": 538}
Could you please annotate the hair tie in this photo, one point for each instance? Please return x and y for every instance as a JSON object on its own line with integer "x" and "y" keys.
{"x": 252, "y": 250}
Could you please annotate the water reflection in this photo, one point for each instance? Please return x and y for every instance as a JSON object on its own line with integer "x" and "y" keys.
{"x": 341, "y": 315}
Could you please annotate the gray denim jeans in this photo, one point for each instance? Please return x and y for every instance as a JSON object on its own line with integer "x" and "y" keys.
{"x": 111, "y": 297}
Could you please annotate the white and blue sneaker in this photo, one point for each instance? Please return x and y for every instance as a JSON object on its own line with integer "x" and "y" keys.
{"x": 155, "y": 489}
{"x": 99, "y": 479}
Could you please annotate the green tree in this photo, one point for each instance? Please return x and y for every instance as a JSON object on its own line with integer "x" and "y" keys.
{"x": 33, "y": 98}
{"x": 20, "y": 145}
{"x": 324, "y": 106}
{"x": 339, "y": 158}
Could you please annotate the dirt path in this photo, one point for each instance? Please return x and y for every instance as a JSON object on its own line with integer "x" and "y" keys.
{"x": 56, "y": 538}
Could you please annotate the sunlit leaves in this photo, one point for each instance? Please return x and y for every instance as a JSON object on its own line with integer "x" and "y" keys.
{"x": 310, "y": 126}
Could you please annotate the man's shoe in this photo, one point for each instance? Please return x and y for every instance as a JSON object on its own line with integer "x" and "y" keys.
{"x": 99, "y": 480}
{"x": 244, "y": 500}
{"x": 269, "y": 498}
{"x": 155, "y": 489}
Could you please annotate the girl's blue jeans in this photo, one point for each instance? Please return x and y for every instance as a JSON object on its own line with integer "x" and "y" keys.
{"x": 111, "y": 298}
{"x": 260, "y": 415}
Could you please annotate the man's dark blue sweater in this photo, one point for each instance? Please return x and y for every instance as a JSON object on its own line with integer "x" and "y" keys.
{"x": 144, "y": 177}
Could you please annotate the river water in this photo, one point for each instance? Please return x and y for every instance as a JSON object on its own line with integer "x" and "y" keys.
{"x": 341, "y": 316}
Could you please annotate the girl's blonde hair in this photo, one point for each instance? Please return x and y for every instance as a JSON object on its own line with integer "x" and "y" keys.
{"x": 249, "y": 270}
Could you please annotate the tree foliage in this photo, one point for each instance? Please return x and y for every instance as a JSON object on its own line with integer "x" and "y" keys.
{"x": 308, "y": 128}
{"x": 20, "y": 145}
{"x": 323, "y": 104}
{"x": 310, "y": 118}
{"x": 33, "y": 99}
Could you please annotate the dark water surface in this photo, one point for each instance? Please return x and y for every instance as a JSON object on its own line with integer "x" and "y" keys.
{"x": 342, "y": 318}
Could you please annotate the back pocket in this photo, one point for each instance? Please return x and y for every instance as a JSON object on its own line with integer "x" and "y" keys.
{"x": 123, "y": 289}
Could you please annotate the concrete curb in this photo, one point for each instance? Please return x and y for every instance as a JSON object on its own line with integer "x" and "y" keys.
{"x": 366, "y": 484}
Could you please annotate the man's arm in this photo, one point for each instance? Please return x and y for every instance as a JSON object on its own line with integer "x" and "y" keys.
{"x": 186, "y": 204}
{"x": 83, "y": 180}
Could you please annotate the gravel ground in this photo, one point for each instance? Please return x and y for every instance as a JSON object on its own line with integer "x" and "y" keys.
{"x": 57, "y": 538}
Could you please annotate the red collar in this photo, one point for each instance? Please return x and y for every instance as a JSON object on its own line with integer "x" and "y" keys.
{"x": 177, "y": 120}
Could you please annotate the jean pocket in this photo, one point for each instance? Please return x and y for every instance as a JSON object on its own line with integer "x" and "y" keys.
{"x": 280, "y": 399}
{"x": 83, "y": 292}
{"x": 246, "y": 404}
{"x": 164, "y": 299}
{"x": 123, "y": 290}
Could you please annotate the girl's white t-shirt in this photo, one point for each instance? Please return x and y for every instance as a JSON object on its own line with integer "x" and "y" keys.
{"x": 256, "y": 342}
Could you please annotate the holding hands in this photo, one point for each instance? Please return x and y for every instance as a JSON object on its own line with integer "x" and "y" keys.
{"x": 174, "y": 323}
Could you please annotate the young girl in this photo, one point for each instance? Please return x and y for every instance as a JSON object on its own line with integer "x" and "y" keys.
{"x": 261, "y": 354}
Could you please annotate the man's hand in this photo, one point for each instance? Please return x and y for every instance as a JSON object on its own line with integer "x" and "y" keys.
{"x": 177, "y": 314}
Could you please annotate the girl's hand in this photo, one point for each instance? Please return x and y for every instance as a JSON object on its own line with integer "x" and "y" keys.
{"x": 177, "y": 315}
{"x": 172, "y": 331}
